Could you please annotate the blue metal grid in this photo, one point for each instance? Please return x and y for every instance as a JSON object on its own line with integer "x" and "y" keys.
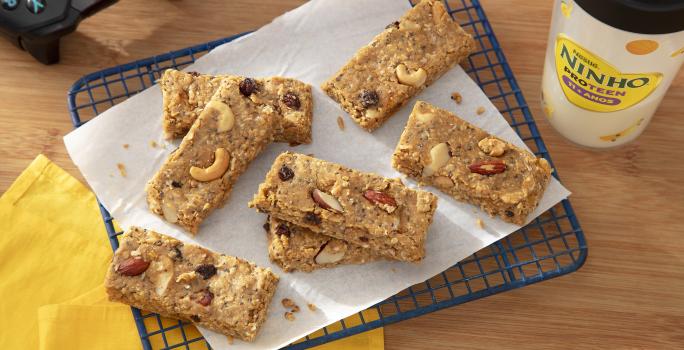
{"x": 550, "y": 246}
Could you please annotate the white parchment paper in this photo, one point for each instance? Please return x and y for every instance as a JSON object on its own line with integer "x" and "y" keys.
{"x": 309, "y": 43}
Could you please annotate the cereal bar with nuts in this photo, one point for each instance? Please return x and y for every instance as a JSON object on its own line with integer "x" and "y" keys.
{"x": 297, "y": 248}
{"x": 158, "y": 273}
{"x": 229, "y": 133}
{"x": 364, "y": 209}
{"x": 467, "y": 163}
{"x": 399, "y": 63}
{"x": 186, "y": 93}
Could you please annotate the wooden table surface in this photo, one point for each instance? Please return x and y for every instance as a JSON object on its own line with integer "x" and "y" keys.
{"x": 630, "y": 200}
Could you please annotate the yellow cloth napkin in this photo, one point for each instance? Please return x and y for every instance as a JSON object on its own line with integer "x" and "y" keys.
{"x": 53, "y": 257}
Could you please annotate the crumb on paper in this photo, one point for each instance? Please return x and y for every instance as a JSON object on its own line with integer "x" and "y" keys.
{"x": 230, "y": 339}
{"x": 289, "y": 316}
{"x": 480, "y": 110}
{"x": 122, "y": 169}
{"x": 153, "y": 144}
{"x": 311, "y": 307}
{"x": 457, "y": 97}
{"x": 479, "y": 223}
{"x": 288, "y": 303}
{"x": 125, "y": 146}
{"x": 340, "y": 123}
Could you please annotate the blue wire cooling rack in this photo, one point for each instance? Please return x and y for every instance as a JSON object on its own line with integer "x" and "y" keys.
{"x": 550, "y": 246}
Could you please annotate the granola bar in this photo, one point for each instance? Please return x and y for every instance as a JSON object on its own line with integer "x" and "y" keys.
{"x": 399, "y": 63}
{"x": 155, "y": 272}
{"x": 198, "y": 177}
{"x": 297, "y": 248}
{"x": 186, "y": 94}
{"x": 464, "y": 161}
{"x": 364, "y": 209}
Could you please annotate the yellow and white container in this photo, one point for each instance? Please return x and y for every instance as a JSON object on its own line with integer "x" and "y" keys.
{"x": 608, "y": 65}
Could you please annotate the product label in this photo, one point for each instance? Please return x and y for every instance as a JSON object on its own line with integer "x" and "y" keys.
{"x": 591, "y": 83}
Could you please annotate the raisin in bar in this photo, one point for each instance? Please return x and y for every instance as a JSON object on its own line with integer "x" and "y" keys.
{"x": 360, "y": 208}
{"x": 155, "y": 272}
{"x": 399, "y": 63}
{"x": 464, "y": 161}
{"x": 185, "y": 95}
{"x": 297, "y": 248}
{"x": 198, "y": 177}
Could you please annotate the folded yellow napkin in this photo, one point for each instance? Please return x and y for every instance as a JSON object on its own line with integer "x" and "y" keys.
{"x": 53, "y": 258}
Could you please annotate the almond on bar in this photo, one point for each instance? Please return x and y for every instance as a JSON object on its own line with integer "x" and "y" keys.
{"x": 158, "y": 273}
{"x": 363, "y": 209}
{"x": 440, "y": 149}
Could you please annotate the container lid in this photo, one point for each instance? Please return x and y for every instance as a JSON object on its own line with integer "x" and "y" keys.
{"x": 638, "y": 16}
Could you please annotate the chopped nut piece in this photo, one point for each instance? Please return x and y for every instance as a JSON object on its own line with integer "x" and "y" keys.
{"x": 492, "y": 146}
{"x": 457, "y": 97}
{"x": 383, "y": 200}
{"x": 424, "y": 117}
{"x": 330, "y": 254}
{"x": 340, "y": 123}
{"x": 409, "y": 25}
{"x": 132, "y": 266}
{"x": 186, "y": 277}
{"x": 439, "y": 155}
{"x": 490, "y": 167}
{"x": 416, "y": 78}
{"x": 289, "y": 316}
{"x": 326, "y": 201}
{"x": 215, "y": 170}
{"x": 311, "y": 307}
{"x": 480, "y": 110}
{"x": 122, "y": 169}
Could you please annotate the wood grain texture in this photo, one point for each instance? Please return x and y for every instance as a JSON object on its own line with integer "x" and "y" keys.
{"x": 630, "y": 200}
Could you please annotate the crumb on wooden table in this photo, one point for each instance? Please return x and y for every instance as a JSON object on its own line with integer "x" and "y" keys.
{"x": 289, "y": 316}
{"x": 122, "y": 169}
{"x": 480, "y": 110}
{"x": 479, "y": 223}
{"x": 125, "y": 146}
{"x": 311, "y": 307}
{"x": 340, "y": 123}
{"x": 457, "y": 97}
